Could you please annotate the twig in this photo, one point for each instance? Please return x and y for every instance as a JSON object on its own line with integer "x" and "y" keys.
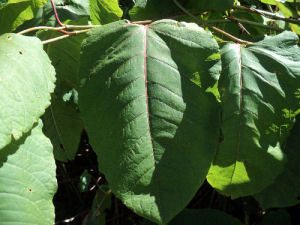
{"x": 65, "y": 36}
{"x": 55, "y": 14}
{"x": 245, "y": 22}
{"x": 58, "y": 28}
{"x": 267, "y": 14}
{"x": 212, "y": 27}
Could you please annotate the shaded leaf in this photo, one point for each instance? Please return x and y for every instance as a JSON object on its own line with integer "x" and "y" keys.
{"x": 27, "y": 180}
{"x": 155, "y": 9}
{"x": 257, "y": 85}
{"x": 145, "y": 113}
{"x": 218, "y": 5}
{"x": 63, "y": 126}
{"x": 278, "y": 217}
{"x": 285, "y": 191}
{"x": 26, "y": 81}
{"x": 203, "y": 217}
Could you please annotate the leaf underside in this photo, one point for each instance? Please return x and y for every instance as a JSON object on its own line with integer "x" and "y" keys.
{"x": 257, "y": 87}
{"x": 153, "y": 128}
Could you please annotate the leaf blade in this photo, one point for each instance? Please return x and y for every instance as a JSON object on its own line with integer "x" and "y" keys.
{"x": 144, "y": 104}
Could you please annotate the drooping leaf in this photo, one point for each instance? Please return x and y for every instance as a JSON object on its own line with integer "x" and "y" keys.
{"x": 153, "y": 128}
{"x": 285, "y": 191}
{"x": 257, "y": 85}
{"x": 105, "y": 11}
{"x": 27, "y": 180}
{"x": 63, "y": 125}
{"x": 15, "y": 12}
{"x": 26, "y": 80}
{"x": 203, "y": 217}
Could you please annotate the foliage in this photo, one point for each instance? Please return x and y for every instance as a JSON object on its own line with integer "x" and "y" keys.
{"x": 165, "y": 103}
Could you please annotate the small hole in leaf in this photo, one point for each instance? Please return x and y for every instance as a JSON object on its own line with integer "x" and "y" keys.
{"x": 21, "y": 53}
{"x": 61, "y": 146}
{"x": 9, "y": 37}
{"x": 29, "y": 189}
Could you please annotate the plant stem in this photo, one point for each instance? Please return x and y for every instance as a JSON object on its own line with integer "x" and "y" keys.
{"x": 212, "y": 27}
{"x": 65, "y": 36}
{"x": 55, "y": 14}
{"x": 267, "y": 14}
{"x": 58, "y": 28}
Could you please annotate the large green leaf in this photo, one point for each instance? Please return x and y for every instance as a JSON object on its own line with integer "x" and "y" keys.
{"x": 26, "y": 80}
{"x": 153, "y": 128}
{"x": 27, "y": 180}
{"x": 257, "y": 86}
{"x": 285, "y": 191}
{"x": 15, "y": 12}
{"x": 105, "y": 11}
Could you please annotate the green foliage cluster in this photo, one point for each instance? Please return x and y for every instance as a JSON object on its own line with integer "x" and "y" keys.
{"x": 171, "y": 93}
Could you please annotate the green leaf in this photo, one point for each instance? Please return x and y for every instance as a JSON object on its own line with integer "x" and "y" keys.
{"x": 65, "y": 55}
{"x": 153, "y": 128}
{"x": 257, "y": 85}
{"x": 63, "y": 126}
{"x": 286, "y": 11}
{"x": 105, "y": 11}
{"x": 102, "y": 201}
{"x": 75, "y": 10}
{"x": 285, "y": 191}
{"x": 155, "y": 9}
{"x": 26, "y": 80}
{"x": 203, "y": 217}
{"x": 218, "y": 5}
{"x": 140, "y": 3}
{"x": 27, "y": 180}
{"x": 15, "y": 12}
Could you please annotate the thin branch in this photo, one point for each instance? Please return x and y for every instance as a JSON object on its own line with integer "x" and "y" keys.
{"x": 58, "y": 28}
{"x": 65, "y": 36}
{"x": 40, "y": 28}
{"x": 267, "y": 14}
{"x": 212, "y": 27}
{"x": 257, "y": 24}
{"x": 55, "y": 14}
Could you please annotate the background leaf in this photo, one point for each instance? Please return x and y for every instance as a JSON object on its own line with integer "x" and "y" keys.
{"x": 285, "y": 191}
{"x": 105, "y": 11}
{"x": 15, "y": 12}
{"x": 257, "y": 85}
{"x": 26, "y": 81}
{"x": 27, "y": 180}
{"x": 145, "y": 113}
{"x": 218, "y": 5}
